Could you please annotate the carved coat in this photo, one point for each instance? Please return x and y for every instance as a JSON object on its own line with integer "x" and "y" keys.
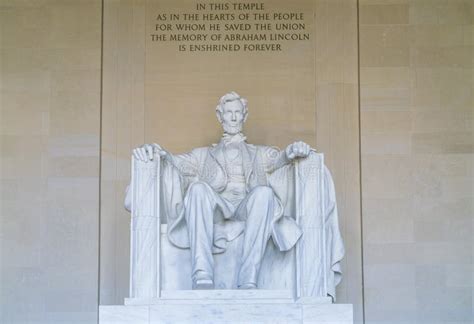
{"x": 206, "y": 164}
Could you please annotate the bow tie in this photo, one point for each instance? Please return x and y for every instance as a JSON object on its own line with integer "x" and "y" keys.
{"x": 233, "y": 139}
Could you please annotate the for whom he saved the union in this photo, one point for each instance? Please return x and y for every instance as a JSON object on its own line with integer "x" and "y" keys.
{"x": 212, "y": 195}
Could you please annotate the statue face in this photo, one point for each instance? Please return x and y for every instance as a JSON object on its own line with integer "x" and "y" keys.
{"x": 232, "y": 117}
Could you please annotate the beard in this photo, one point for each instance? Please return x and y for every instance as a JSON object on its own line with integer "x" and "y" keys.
{"x": 232, "y": 130}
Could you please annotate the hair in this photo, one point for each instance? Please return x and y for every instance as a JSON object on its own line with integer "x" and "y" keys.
{"x": 231, "y": 96}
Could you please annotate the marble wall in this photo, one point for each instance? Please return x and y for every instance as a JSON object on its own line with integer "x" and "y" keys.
{"x": 50, "y": 54}
{"x": 417, "y": 107}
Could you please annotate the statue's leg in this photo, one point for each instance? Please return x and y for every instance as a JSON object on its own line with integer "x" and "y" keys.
{"x": 258, "y": 211}
{"x": 200, "y": 204}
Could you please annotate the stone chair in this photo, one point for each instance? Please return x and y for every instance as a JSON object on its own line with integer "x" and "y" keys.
{"x": 311, "y": 269}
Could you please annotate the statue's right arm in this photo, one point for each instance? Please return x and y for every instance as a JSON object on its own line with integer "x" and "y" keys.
{"x": 148, "y": 152}
{"x": 186, "y": 163}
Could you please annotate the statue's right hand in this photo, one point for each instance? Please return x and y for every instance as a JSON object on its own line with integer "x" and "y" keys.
{"x": 147, "y": 152}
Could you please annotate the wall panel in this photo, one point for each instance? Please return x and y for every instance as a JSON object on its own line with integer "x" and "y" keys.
{"x": 49, "y": 160}
{"x": 417, "y": 160}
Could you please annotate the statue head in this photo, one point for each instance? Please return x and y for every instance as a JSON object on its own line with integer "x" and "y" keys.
{"x": 232, "y": 112}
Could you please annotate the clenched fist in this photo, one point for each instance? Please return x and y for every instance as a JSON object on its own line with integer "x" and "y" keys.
{"x": 297, "y": 150}
{"x": 147, "y": 152}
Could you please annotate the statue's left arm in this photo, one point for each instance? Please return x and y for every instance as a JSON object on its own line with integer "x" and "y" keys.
{"x": 275, "y": 158}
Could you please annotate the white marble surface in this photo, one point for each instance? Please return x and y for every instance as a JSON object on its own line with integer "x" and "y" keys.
{"x": 145, "y": 242}
{"x": 124, "y": 314}
{"x": 229, "y": 312}
{"x": 224, "y": 296}
{"x": 327, "y": 313}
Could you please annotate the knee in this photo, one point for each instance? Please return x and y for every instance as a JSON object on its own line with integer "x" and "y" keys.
{"x": 197, "y": 188}
{"x": 263, "y": 192}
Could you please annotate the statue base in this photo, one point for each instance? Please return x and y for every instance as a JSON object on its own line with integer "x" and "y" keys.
{"x": 226, "y": 306}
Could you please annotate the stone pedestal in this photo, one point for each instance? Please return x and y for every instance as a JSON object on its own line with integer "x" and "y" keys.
{"x": 227, "y": 306}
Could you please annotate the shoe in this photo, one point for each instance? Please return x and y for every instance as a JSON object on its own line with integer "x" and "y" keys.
{"x": 202, "y": 280}
{"x": 203, "y": 284}
{"x": 249, "y": 285}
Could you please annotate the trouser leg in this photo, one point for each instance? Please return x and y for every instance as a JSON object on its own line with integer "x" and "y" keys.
{"x": 258, "y": 211}
{"x": 199, "y": 214}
